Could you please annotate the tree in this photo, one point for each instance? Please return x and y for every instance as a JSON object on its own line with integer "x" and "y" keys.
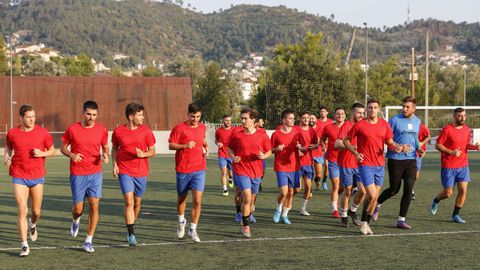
{"x": 38, "y": 67}
{"x": 3, "y": 56}
{"x": 151, "y": 71}
{"x": 79, "y": 66}
{"x": 188, "y": 67}
{"x": 212, "y": 93}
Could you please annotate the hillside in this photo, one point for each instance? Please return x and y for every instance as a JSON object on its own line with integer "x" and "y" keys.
{"x": 163, "y": 31}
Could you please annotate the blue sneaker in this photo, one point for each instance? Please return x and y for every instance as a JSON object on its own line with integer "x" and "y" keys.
{"x": 458, "y": 219}
{"x": 434, "y": 207}
{"x": 74, "y": 229}
{"x": 88, "y": 247}
{"x": 324, "y": 186}
{"x": 276, "y": 216}
{"x": 285, "y": 220}
{"x": 238, "y": 217}
{"x": 252, "y": 219}
{"x": 131, "y": 240}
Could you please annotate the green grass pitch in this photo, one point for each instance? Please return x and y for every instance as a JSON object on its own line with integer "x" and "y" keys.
{"x": 311, "y": 242}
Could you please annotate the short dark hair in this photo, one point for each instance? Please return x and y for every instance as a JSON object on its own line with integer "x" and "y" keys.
{"x": 90, "y": 104}
{"x": 357, "y": 105}
{"x": 339, "y": 108}
{"x": 286, "y": 112}
{"x": 373, "y": 100}
{"x": 409, "y": 99}
{"x": 304, "y": 112}
{"x": 24, "y": 109}
{"x": 322, "y": 108}
{"x": 251, "y": 112}
{"x": 458, "y": 110}
{"x": 194, "y": 108}
{"x": 226, "y": 115}
{"x": 133, "y": 108}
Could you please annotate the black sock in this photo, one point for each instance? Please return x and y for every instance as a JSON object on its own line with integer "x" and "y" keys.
{"x": 369, "y": 217}
{"x": 239, "y": 208}
{"x": 364, "y": 215}
{"x": 324, "y": 179}
{"x": 316, "y": 179}
{"x": 456, "y": 211}
{"x": 131, "y": 229}
{"x": 436, "y": 200}
{"x": 245, "y": 220}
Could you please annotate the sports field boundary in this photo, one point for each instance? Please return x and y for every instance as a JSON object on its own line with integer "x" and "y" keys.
{"x": 260, "y": 239}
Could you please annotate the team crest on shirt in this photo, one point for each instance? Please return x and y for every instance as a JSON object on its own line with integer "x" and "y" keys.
{"x": 410, "y": 126}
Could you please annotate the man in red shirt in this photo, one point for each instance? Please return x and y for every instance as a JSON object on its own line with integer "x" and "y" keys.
{"x": 371, "y": 134}
{"x": 329, "y": 137}
{"x": 423, "y": 138}
{"x": 306, "y": 168}
{"x": 320, "y": 164}
{"x": 247, "y": 149}
{"x": 453, "y": 143}
{"x": 222, "y": 136}
{"x": 286, "y": 143}
{"x": 85, "y": 139}
{"x": 132, "y": 145}
{"x": 27, "y": 147}
{"x": 189, "y": 141}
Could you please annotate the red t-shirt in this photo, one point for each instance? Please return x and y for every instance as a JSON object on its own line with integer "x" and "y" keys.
{"x": 287, "y": 160}
{"x": 423, "y": 133}
{"x": 24, "y": 164}
{"x": 222, "y": 135}
{"x": 346, "y": 159}
{"x": 127, "y": 141}
{"x": 371, "y": 139}
{"x": 330, "y": 132}
{"x": 309, "y": 137}
{"x": 86, "y": 141}
{"x": 247, "y": 147}
{"x": 319, "y": 130}
{"x": 189, "y": 160}
{"x": 454, "y": 138}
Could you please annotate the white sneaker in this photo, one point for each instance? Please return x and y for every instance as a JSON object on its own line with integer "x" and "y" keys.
{"x": 193, "y": 234}
{"x": 370, "y": 232}
{"x": 181, "y": 229}
{"x": 32, "y": 230}
{"x": 25, "y": 251}
{"x": 364, "y": 228}
{"x": 88, "y": 247}
{"x": 74, "y": 228}
{"x": 304, "y": 212}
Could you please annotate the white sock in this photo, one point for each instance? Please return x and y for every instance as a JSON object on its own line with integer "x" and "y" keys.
{"x": 32, "y": 225}
{"x": 285, "y": 211}
{"x": 354, "y": 207}
{"x": 76, "y": 220}
{"x": 334, "y": 206}
{"x": 305, "y": 202}
{"x": 24, "y": 244}
{"x": 193, "y": 226}
{"x": 89, "y": 239}
{"x": 378, "y": 205}
{"x": 401, "y": 218}
{"x": 279, "y": 207}
{"x": 343, "y": 212}
{"x": 224, "y": 187}
{"x": 181, "y": 219}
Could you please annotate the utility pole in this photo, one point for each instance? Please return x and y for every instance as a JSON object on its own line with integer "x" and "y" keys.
{"x": 464, "y": 85}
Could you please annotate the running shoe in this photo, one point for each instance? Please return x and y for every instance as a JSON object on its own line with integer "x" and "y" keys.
{"x": 32, "y": 231}
{"x": 324, "y": 186}
{"x": 335, "y": 214}
{"x": 246, "y": 231}
{"x": 375, "y": 213}
{"x": 285, "y": 220}
{"x": 353, "y": 216}
{"x": 276, "y": 216}
{"x": 181, "y": 229}
{"x": 403, "y": 225}
{"x": 74, "y": 228}
{"x": 25, "y": 251}
{"x": 252, "y": 219}
{"x": 225, "y": 192}
{"x": 434, "y": 207}
{"x": 88, "y": 247}
{"x": 131, "y": 240}
{"x": 345, "y": 222}
{"x": 230, "y": 183}
{"x": 458, "y": 219}
{"x": 304, "y": 212}
{"x": 193, "y": 234}
{"x": 238, "y": 217}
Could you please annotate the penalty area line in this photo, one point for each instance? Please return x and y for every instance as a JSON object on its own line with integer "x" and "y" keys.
{"x": 261, "y": 239}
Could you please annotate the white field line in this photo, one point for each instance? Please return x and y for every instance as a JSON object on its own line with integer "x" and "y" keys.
{"x": 264, "y": 239}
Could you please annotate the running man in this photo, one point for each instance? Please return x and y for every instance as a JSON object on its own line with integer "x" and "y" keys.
{"x": 323, "y": 121}
{"x": 247, "y": 149}
{"x": 371, "y": 134}
{"x": 403, "y": 165}
{"x": 132, "y": 145}
{"x": 453, "y": 143}
{"x": 27, "y": 147}
{"x": 306, "y": 161}
{"x": 317, "y": 153}
{"x": 286, "y": 144}
{"x": 222, "y": 136}
{"x": 424, "y": 138}
{"x": 329, "y": 137}
{"x": 85, "y": 139}
{"x": 189, "y": 141}
{"x": 349, "y": 173}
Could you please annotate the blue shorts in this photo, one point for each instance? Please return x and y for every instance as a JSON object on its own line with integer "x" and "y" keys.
{"x": 193, "y": 181}
{"x": 419, "y": 163}
{"x": 86, "y": 186}
{"x": 452, "y": 176}
{"x": 348, "y": 175}
{"x": 372, "y": 175}
{"x": 292, "y": 179}
{"x": 319, "y": 160}
{"x": 245, "y": 182}
{"x": 333, "y": 170}
{"x": 225, "y": 162}
{"x": 128, "y": 183}
{"x": 306, "y": 171}
{"x": 28, "y": 182}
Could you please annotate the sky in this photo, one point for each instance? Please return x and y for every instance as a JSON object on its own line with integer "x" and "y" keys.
{"x": 376, "y": 13}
